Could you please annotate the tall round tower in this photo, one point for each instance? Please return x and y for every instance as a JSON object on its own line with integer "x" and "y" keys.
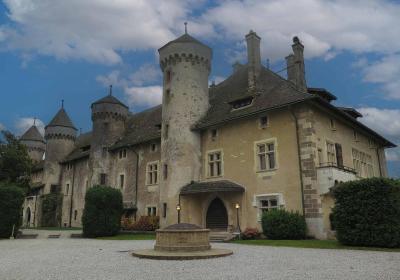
{"x": 109, "y": 119}
{"x": 34, "y": 142}
{"x": 60, "y": 135}
{"x": 186, "y": 64}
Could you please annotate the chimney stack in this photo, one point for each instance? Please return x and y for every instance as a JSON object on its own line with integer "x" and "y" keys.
{"x": 254, "y": 57}
{"x": 295, "y": 66}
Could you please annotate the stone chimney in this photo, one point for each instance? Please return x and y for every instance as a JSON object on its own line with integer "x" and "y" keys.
{"x": 295, "y": 66}
{"x": 254, "y": 57}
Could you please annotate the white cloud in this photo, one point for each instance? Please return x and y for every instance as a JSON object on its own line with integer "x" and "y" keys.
{"x": 387, "y": 123}
{"x": 144, "y": 96}
{"x": 147, "y": 73}
{"x": 94, "y": 30}
{"x": 385, "y": 72}
{"x": 2, "y": 127}
{"x": 24, "y": 123}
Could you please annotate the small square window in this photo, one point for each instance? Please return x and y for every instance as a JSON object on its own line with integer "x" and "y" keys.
{"x": 213, "y": 134}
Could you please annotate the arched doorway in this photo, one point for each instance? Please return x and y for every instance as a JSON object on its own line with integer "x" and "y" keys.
{"x": 217, "y": 216}
{"x": 28, "y": 217}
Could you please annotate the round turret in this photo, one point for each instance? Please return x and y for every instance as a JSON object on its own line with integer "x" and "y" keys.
{"x": 60, "y": 135}
{"x": 109, "y": 119}
{"x": 34, "y": 142}
{"x": 186, "y": 65}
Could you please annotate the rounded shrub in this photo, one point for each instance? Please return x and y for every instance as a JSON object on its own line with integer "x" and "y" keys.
{"x": 11, "y": 199}
{"x": 282, "y": 224}
{"x": 103, "y": 211}
{"x": 367, "y": 212}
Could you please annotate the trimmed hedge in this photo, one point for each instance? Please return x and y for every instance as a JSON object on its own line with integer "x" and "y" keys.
{"x": 281, "y": 224}
{"x": 11, "y": 200}
{"x": 367, "y": 212}
{"x": 103, "y": 211}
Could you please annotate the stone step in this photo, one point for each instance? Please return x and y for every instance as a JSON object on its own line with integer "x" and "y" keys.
{"x": 220, "y": 236}
{"x": 27, "y": 236}
{"x": 54, "y": 236}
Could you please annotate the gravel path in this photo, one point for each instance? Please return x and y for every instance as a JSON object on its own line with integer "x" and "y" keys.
{"x": 100, "y": 259}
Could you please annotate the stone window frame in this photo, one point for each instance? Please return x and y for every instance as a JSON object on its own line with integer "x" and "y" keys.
{"x": 152, "y": 210}
{"x": 213, "y": 134}
{"x": 67, "y": 188}
{"x": 267, "y": 196}
{"x": 122, "y": 153}
{"x": 148, "y": 171}
{"x": 328, "y": 151}
{"x": 221, "y": 160}
{"x": 265, "y": 142}
{"x": 365, "y": 163}
{"x": 332, "y": 124}
{"x": 155, "y": 147}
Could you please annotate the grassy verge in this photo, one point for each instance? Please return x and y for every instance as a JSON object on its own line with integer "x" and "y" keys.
{"x": 131, "y": 236}
{"x": 312, "y": 243}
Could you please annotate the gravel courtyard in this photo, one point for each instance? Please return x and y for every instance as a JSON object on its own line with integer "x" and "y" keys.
{"x": 104, "y": 259}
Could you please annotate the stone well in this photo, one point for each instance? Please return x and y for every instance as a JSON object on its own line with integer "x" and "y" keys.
{"x": 182, "y": 242}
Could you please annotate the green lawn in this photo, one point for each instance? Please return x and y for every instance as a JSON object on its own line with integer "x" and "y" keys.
{"x": 311, "y": 243}
{"x": 131, "y": 236}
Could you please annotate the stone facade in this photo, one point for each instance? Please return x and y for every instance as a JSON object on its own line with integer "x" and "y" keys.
{"x": 256, "y": 140}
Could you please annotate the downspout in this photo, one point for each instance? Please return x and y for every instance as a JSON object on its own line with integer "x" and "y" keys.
{"x": 72, "y": 195}
{"x": 299, "y": 160}
{"x": 379, "y": 162}
{"x": 34, "y": 211}
{"x": 136, "y": 180}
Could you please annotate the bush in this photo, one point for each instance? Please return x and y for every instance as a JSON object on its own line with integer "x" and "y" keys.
{"x": 103, "y": 211}
{"x": 250, "y": 233}
{"x": 11, "y": 199}
{"x": 145, "y": 223}
{"x": 367, "y": 212}
{"x": 281, "y": 224}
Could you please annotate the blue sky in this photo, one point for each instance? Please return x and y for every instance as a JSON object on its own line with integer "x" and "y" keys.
{"x": 72, "y": 50}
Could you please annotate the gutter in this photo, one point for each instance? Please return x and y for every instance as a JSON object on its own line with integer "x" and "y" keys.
{"x": 299, "y": 160}
{"x": 136, "y": 179}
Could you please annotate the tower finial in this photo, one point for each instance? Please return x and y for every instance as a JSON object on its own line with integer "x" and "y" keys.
{"x": 185, "y": 27}
{"x": 110, "y": 89}
{"x": 34, "y": 121}
{"x": 62, "y": 103}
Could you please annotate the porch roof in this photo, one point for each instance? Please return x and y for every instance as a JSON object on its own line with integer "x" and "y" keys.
{"x": 211, "y": 186}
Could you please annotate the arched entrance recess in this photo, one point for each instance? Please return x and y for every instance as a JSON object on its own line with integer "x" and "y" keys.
{"x": 28, "y": 216}
{"x": 217, "y": 216}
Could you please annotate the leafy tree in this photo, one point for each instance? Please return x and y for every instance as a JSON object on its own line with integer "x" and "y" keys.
{"x": 11, "y": 199}
{"x": 15, "y": 163}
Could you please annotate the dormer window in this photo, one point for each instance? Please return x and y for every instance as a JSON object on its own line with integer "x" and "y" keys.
{"x": 242, "y": 103}
{"x": 122, "y": 153}
{"x": 213, "y": 134}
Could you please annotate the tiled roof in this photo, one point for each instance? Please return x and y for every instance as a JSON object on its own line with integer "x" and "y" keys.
{"x": 81, "y": 150}
{"x": 211, "y": 186}
{"x": 272, "y": 92}
{"x": 142, "y": 127}
{"x": 32, "y": 134}
{"x": 185, "y": 38}
{"x": 61, "y": 119}
{"x": 110, "y": 99}
{"x": 38, "y": 166}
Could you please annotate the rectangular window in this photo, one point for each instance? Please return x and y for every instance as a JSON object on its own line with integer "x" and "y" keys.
{"x": 355, "y": 135}
{"x": 213, "y": 134}
{"x": 268, "y": 202}
{"x": 67, "y": 189}
{"x": 362, "y": 163}
{"x": 330, "y": 153}
{"x": 167, "y": 95}
{"x": 103, "y": 179}
{"x": 332, "y": 124}
{"x": 320, "y": 157}
{"x": 121, "y": 181}
{"x": 266, "y": 156}
{"x": 165, "y": 171}
{"x": 122, "y": 153}
{"x": 168, "y": 76}
{"x": 214, "y": 164}
{"x": 151, "y": 211}
{"x": 152, "y": 173}
{"x": 164, "y": 210}
{"x": 263, "y": 122}
{"x": 153, "y": 147}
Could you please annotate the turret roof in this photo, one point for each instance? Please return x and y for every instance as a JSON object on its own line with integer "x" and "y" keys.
{"x": 185, "y": 38}
{"x": 61, "y": 119}
{"x": 32, "y": 134}
{"x": 109, "y": 99}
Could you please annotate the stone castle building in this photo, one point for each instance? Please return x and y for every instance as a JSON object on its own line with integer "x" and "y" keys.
{"x": 256, "y": 141}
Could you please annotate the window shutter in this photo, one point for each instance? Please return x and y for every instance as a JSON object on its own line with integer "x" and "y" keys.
{"x": 339, "y": 155}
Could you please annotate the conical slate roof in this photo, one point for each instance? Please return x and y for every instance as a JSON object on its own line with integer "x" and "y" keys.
{"x": 110, "y": 100}
{"x": 32, "y": 134}
{"x": 185, "y": 38}
{"x": 61, "y": 119}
